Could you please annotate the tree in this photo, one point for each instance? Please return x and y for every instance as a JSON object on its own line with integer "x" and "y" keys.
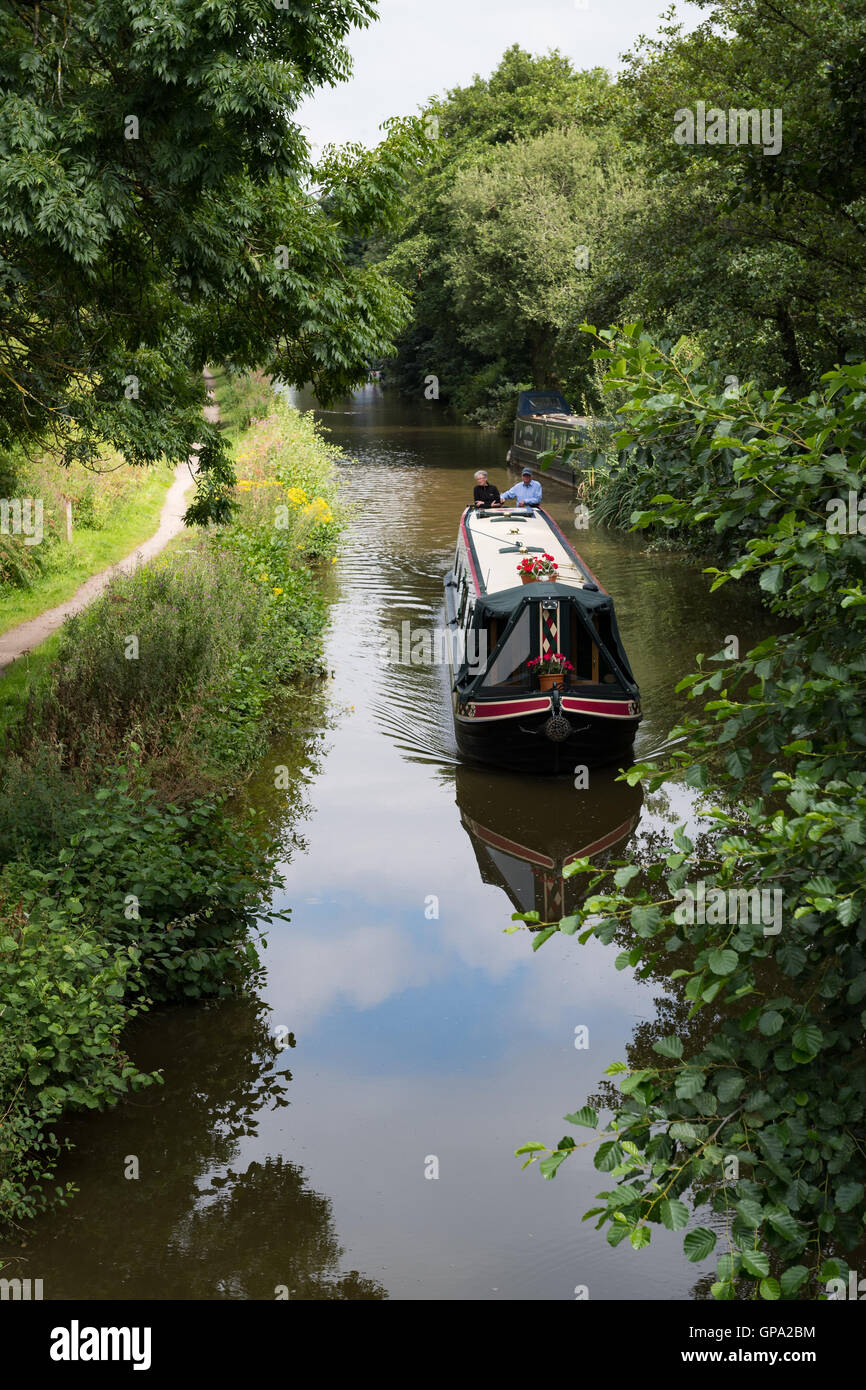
{"x": 475, "y": 131}
{"x": 157, "y": 211}
{"x": 526, "y": 228}
{"x": 760, "y": 253}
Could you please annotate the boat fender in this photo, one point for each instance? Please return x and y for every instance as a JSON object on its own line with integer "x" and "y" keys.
{"x": 557, "y": 728}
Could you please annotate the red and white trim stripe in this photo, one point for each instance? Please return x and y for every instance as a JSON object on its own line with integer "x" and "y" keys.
{"x": 487, "y": 711}
{"x": 607, "y": 709}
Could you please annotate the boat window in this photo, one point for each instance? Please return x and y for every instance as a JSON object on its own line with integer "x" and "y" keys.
{"x": 464, "y": 594}
{"x": 509, "y": 664}
{"x": 530, "y": 435}
{"x": 591, "y": 667}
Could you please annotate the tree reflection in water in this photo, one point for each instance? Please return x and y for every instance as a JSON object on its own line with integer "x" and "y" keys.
{"x": 191, "y": 1226}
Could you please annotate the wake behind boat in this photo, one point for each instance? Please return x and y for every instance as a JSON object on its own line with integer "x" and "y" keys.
{"x": 511, "y": 704}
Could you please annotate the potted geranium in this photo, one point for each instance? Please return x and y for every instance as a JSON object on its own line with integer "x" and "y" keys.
{"x": 535, "y": 567}
{"x": 551, "y": 670}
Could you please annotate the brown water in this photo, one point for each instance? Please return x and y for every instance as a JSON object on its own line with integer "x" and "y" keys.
{"x": 421, "y": 1031}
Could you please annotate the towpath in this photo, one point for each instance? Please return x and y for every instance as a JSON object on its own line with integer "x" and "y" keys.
{"x": 21, "y": 639}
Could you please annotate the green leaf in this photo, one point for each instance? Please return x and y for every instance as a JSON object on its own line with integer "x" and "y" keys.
{"x": 624, "y": 876}
{"x": 608, "y": 1156}
{"x": 848, "y": 1195}
{"x": 786, "y": 1224}
{"x": 640, "y": 1237}
{"x": 539, "y": 938}
{"x": 645, "y": 918}
{"x": 529, "y": 1148}
{"x": 793, "y": 1279}
{"x": 682, "y": 1130}
{"x": 757, "y": 1262}
{"x": 586, "y": 1116}
{"x": 751, "y": 1212}
{"x": 550, "y": 1164}
{"x": 699, "y": 1243}
{"x": 808, "y": 1039}
{"x": 770, "y": 1022}
{"x": 769, "y": 1289}
{"x": 630, "y": 1083}
{"x": 674, "y": 1213}
{"x": 723, "y": 962}
{"x": 723, "y": 1290}
{"x": 729, "y": 1085}
{"x": 682, "y": 841}
{"x": 689, "y": 1083}
{"x": 771, "y": 579}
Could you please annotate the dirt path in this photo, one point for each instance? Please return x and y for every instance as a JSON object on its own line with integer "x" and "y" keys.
{"x": 25, "y": 636}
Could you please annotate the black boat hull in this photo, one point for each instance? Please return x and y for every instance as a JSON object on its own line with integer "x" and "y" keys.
{"x": 522, "y": 743}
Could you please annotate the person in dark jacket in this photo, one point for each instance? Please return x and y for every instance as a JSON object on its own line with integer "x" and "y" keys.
{"x": 486, "y": 495}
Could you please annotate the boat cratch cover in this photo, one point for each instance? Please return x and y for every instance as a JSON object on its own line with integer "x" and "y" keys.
{"x": 510, "y": 604}
{"x": 542, "y": 403}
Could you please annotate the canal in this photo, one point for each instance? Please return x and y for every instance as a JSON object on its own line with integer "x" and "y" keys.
{"x": 348, "y": 1132}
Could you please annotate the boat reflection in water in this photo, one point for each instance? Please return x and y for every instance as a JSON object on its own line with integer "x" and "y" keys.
{"x": 523, "y": 836}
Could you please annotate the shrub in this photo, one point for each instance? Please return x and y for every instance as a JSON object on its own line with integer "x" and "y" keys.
{"x": 777, "y": 1081}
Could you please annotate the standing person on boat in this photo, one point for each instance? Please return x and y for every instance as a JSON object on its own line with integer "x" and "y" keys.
{"x": 486, "y": 495}
{"x": 527, "y": 492}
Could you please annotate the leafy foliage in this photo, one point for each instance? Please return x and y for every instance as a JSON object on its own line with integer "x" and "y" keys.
{"x": 759, "y": 255}
{"x": 524, "y": 168}
{"x": 766, "y": 1120}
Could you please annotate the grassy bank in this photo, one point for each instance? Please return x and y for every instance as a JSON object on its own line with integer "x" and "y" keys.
{"x": 125, "y": 878}
{"x": 113, "y": 511}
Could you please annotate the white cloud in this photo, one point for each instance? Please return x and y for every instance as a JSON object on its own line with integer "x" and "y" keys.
{"x": 418, "y": 49}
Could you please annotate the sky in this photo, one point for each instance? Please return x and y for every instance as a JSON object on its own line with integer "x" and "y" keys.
{"x": 419, "y": 48}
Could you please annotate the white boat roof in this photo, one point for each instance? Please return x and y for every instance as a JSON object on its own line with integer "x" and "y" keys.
{"x": 497, "y": 529}
{"x": 556, "y": 417}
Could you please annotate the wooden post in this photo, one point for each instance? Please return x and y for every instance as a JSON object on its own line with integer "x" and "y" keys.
{"x": 67, "y": 504}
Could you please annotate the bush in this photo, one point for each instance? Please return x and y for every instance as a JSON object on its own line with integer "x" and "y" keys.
{"x": 771, "y": 1074}
{"x": 66, "y": 996}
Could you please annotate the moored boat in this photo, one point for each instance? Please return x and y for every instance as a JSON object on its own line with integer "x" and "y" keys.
{"x": 545, "y": 423}
{"x": 507, "y": 635}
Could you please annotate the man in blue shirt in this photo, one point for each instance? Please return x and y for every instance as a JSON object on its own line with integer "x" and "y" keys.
{"x": 525, "y": 493}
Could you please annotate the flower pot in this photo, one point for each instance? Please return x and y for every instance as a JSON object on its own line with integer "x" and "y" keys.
{"x": 529, "y": 579}
{"x": 548, "y": 679}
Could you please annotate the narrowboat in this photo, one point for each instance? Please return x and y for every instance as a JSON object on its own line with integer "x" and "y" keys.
{"x": 501, "y": 628}
{"x": 546, "y": 422}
